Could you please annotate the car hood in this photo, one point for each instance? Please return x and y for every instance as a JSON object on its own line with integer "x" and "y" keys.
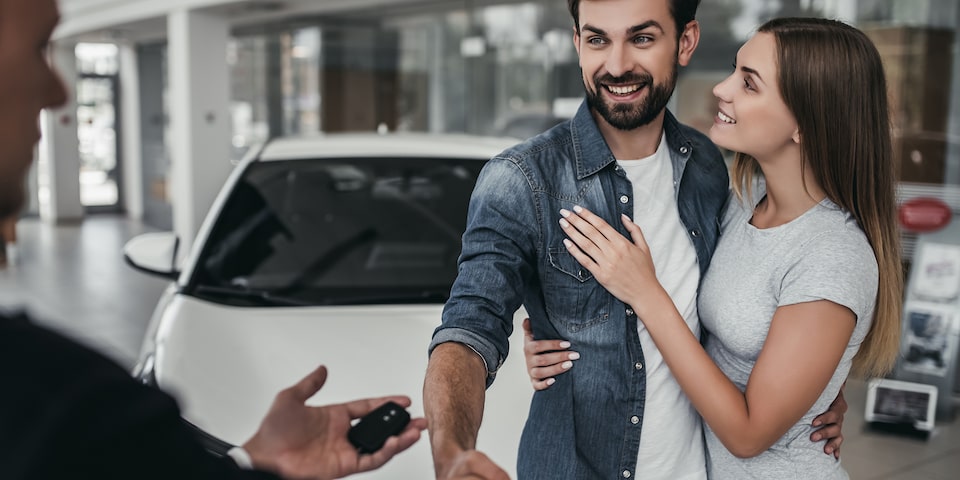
{"x": 224, "y": 364}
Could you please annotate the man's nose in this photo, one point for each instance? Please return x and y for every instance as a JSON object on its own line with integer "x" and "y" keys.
{"x": 620, "y": 60}
{"x": 56, "y": 94}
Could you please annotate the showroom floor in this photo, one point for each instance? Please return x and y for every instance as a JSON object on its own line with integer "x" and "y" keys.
{"x": 73, "y": 278}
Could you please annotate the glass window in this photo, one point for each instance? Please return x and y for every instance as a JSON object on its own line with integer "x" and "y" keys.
{"x": 339, "y": 232}
{"x": 247, "y": 57}
{"x": 96, "y": 96}
{"x": 503, "y": 69}
{"x": 97, "y": 58}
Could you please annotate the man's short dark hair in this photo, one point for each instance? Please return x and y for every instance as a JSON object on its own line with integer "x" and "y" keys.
{"x": 683, "y": 11}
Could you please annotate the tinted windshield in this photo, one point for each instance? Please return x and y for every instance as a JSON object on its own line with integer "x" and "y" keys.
{"x": 338, "y": 232}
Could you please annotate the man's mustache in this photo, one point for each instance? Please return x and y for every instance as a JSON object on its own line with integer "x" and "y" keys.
{"x": 631, "y": 77}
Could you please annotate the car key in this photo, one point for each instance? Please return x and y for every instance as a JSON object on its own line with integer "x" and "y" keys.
{"x": 371, "y": 432}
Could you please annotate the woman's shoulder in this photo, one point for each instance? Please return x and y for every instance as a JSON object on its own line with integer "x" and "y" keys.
{"x": 835, "y": 246}
{"x": 837, "y": 228}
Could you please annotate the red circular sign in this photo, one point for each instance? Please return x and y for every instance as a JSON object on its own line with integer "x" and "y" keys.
{"x": 924, "y": 214}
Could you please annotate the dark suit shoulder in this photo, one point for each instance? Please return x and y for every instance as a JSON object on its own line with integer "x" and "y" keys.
{"x": 77, "y": 414}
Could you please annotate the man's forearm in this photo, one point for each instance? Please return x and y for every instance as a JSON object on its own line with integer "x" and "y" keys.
{"x": 453, "y": 397}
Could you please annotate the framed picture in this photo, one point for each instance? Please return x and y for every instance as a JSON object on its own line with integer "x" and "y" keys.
{"x": 906, "y": 403}
{"x": 937, "y": 273}
{"x": 927, "y": 343}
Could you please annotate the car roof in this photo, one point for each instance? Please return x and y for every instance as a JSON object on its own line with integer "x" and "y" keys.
{"x": 341, "y": 145}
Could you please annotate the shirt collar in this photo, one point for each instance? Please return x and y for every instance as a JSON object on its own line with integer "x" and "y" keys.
{"x": 592, "y": 153}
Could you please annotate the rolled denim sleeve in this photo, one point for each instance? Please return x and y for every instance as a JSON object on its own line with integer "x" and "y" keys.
{"x": 498, "y": 257}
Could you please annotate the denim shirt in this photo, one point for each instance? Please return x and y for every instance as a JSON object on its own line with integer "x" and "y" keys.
{"x": 513, "y": 254}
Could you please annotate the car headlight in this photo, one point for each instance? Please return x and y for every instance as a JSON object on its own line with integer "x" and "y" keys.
{"x": 145, "y": 373}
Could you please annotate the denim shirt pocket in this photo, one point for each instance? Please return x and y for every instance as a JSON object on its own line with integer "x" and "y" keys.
{"x": 574, "y": 299}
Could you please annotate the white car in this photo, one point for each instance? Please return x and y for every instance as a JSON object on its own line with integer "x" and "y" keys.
{"x": 337, "y": 250}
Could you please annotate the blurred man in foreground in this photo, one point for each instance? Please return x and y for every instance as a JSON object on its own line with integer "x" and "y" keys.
{"x": 68, "y": 412}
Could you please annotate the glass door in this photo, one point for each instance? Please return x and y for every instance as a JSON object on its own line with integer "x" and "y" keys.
{"x": 97, "y": 135}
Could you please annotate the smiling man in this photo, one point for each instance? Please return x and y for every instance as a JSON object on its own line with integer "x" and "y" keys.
{"x": 69, "y": 412}
{"x": 617, "y": 412}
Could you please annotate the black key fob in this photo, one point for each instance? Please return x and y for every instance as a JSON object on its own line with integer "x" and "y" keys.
{"x": 371, "y": 432}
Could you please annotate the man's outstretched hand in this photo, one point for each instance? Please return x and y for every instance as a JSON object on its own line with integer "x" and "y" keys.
{"x": 302, "y": 442}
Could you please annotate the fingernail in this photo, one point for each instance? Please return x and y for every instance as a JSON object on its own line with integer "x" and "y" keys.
{"x": 566, "y": 365}
{"x": 829, "y": 450}
{"x": 567, "y": 243}
{"x": 816, "y": 423}
{"x": 815, "y": 438}
{"x": 564, "y": 212}
{"x": 551, "y": 381}
{"x": 564, "y": 223}
{"x": 564, "y": 344}
{"x": 577, "y": 208}
{"x": 574, "y": 356}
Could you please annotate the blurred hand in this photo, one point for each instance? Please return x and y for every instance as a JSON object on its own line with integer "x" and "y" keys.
{"x": 545, "y": 358}
{"x": 302, "y": 442}
{"x": 832, "y": 423}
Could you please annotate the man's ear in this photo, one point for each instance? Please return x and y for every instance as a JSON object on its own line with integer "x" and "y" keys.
{"x": 688, "y": 42}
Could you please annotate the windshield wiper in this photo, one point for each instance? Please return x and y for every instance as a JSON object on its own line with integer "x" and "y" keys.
{"x": 329, "y": 258}
{"x": 398, "y": 298}
{"x": 263, "y": 297}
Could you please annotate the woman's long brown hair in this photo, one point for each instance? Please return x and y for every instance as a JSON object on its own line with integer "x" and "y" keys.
{"x": 832, "y": 80}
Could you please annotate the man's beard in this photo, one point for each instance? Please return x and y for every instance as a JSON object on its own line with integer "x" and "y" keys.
{"x": 627, "y": 116}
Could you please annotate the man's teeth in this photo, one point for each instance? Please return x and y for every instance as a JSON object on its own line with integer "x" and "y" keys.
{"x": 725, "y": 119}
{"x": 624, "y": 90}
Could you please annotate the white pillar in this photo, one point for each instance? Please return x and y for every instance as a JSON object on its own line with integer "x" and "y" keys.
{"x": 129, "y": 81}
{"x": 59, "y": 153}
{"x": 199, "y": 96}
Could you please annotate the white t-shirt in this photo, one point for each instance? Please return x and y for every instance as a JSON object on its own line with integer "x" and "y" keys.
{"x": 671, "y": 440}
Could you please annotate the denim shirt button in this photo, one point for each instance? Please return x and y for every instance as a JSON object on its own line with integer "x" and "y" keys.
{"x": 626, "y": 474}
{"x": 684, "y": 150}
{"x": 638, "y": 366}
{"x": 624, "y": 199}
{"x": 634, "y": 419}
{"x": 695, "y": 233}
{"x": 629, "y": 312}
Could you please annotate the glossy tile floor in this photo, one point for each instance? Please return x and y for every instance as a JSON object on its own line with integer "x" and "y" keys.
{"x": 73, "y": 278}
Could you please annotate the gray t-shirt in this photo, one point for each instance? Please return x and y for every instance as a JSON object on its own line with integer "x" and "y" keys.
{"x": 820, "y": 255}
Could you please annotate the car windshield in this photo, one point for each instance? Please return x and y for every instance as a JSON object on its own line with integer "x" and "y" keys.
{"x": 338, "y": 232}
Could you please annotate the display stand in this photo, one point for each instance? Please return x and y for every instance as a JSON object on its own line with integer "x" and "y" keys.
{"x": 931, "y": 317}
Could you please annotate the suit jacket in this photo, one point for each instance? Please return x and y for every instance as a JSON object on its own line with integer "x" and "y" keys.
{"x": 67, "y": 412}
